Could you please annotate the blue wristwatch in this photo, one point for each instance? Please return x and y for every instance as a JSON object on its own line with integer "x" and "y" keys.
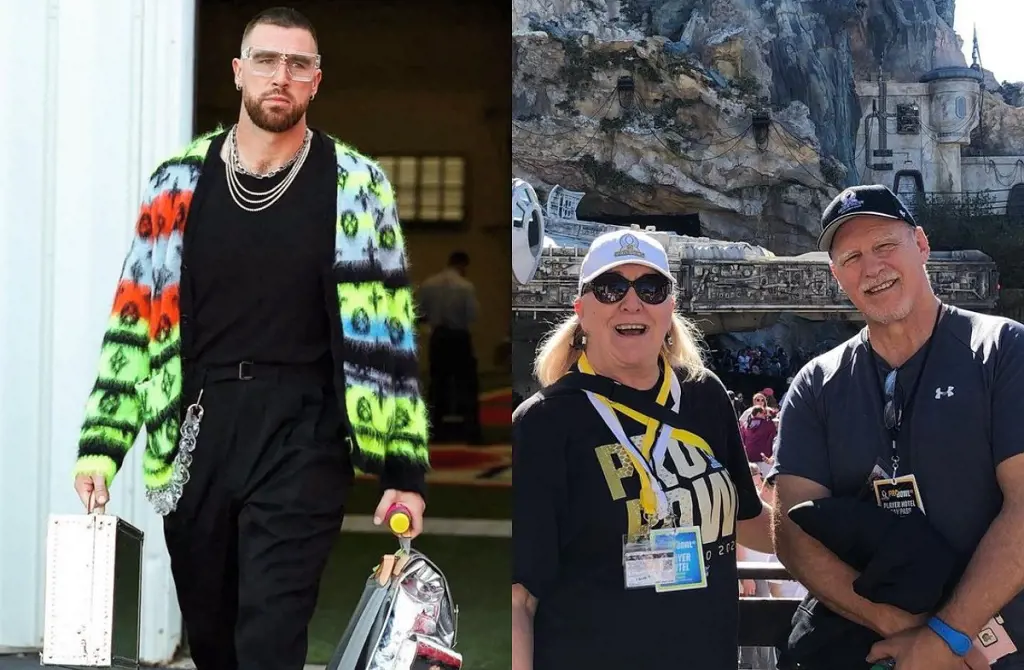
{"x": 958, "y": 642}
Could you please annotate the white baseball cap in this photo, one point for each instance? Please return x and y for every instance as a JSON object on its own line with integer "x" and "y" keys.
{"x": 623, "y": 247}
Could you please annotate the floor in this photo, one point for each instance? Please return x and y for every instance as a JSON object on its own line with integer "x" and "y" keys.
{"x": 467, "y": 529}
{"x": 26, "y": 661}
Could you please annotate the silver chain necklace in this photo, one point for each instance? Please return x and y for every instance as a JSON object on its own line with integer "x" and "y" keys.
{"x": 256, "y": 201}
{"x": 267, "y": 175}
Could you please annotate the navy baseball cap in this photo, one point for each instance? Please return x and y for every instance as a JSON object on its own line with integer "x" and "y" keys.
{"x": 872, "y": 200}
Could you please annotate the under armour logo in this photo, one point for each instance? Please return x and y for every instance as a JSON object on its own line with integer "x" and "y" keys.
{"x": 939, "y": 393}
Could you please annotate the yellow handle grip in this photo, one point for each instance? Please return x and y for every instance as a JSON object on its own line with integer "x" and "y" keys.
{"x": 399, "y": 519}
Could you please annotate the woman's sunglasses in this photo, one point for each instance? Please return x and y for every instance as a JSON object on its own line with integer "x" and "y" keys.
{"x": 611, "y": 287}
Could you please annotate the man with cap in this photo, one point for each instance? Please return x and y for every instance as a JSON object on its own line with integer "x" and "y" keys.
{"x": 921, "y": 406}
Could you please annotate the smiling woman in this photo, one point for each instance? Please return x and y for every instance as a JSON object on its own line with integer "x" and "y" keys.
{"x": 631, "y": 484}
{"x": 629, "y": 327}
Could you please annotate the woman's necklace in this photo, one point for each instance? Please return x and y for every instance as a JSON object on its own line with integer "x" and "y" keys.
{"x": 256, "y": 201}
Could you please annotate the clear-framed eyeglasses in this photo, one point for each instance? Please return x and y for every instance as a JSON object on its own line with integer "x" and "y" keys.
{"x": 265, "y": 62}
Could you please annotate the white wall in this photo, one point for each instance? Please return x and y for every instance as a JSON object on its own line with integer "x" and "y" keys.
{"x": 96, "y": 93}
{"x": 934, "y": 151}
{"x": 995, "y": 174}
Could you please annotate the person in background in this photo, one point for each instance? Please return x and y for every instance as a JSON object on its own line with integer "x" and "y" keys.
{"x": 758, "y": 433}
{"x": 922, "y": 405}
{"x": 756, "y": 658}
{"x": 739, "y": 404}
{"x": 759, "y": 400}
{"x": 448, "y": 304}
{"x": 608, "y": 499}
{"x": 777, "y": 588}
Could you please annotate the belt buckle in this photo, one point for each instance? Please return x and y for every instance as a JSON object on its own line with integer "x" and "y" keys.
{"x": 245, "y": 373}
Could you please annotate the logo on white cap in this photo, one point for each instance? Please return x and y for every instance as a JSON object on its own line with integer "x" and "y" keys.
{"x": 613, "y": 249}
{"x": 629, "y": 246}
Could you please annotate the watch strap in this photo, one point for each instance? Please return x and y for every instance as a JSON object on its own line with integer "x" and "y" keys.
{"x": 957, "y": 642}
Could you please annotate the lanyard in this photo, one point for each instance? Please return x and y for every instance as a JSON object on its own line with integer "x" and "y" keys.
{"x": 904, "y": 409}
{"x": 652, "y": 496}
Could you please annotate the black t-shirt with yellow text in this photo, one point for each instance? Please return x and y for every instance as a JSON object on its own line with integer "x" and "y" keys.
{"x": 576, "y": 493}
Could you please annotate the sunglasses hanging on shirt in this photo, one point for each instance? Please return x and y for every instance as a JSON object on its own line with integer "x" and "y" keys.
{"x": 900, "y": 494}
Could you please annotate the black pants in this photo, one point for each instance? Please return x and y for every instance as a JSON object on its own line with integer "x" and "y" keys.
{"x": 454, "y": 387}
{"x": 258, "y": 518}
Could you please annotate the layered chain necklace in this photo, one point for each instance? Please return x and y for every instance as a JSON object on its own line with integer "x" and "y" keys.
{"x": 257, "y": 201}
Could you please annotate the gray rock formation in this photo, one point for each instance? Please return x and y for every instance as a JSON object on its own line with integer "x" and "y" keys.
{"x": 700, "y": 69}
{"x": 1002, "y": 128}
{"x": 1013, "y": 93}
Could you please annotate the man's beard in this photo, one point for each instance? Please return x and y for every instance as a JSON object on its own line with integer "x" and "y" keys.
{"x": 272, "y": 122}
{"x": 894, "y": 313}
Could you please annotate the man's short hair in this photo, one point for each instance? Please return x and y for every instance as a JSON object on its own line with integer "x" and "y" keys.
{"x": 459, "y": 259}
{"x": 282, "y": 17}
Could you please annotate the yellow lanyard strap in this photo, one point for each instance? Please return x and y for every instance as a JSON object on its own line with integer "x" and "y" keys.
{"x": 647, "y": 498}
{"x": 678, "y": 434}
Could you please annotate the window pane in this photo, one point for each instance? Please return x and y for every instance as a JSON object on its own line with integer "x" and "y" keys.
{"x": 430, "y": 203}
{"x": 407, "y": 202}
{"x": 453, "y": 204}
{"x": 430, "y": 197}
{"x": 454, "y": 171}
{"x": 406, "y": 171}
{"x": 431, "y": 171}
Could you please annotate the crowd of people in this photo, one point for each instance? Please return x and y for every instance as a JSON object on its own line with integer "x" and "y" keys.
{"x": 758, "y": 426}
{"x": 762, "y": 360}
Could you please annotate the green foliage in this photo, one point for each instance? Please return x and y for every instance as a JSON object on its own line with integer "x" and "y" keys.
{"x": 975, "y": 221}
{"x": 614, "y": 124}
{"x": 832, "y": 170}
{"x": 747, "y": 84}
{"x": 581, "y": 65}
{"x": 610, "y": 179}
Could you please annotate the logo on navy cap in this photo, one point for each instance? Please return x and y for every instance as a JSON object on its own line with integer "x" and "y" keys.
{"x": 848, "y": 201}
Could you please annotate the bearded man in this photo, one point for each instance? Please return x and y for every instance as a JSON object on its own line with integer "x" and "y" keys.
{"x": 262, "y": 332}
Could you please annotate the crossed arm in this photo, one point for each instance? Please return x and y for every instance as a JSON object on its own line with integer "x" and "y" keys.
{"x": 994, "y": 576}
{"x": 819, "y": 570}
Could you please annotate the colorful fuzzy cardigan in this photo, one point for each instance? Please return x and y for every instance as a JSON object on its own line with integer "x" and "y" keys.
{"x": 374, "y": 349}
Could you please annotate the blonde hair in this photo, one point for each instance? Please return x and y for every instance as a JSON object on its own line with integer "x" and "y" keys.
{"x": 557, "y": 355}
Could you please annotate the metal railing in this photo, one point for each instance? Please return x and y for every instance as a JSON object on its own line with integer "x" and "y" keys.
{"x": 764, "y": 622}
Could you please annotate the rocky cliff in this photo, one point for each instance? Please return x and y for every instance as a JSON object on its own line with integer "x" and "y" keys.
{"x": 685, "y": 138}
{"x": 1002, "y": 125}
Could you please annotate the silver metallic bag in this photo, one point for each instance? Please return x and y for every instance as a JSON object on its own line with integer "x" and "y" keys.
{"x": 93, "y": 592}
{"x": 405, "y": 620}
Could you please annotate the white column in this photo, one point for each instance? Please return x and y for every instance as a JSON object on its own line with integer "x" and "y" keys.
{"x": 97, "y": 94}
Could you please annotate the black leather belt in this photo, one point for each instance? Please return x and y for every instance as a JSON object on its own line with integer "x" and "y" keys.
{"x": 248, "y": 371}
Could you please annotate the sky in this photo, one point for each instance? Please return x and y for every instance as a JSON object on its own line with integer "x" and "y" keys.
{"x": 999, "y": 23}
